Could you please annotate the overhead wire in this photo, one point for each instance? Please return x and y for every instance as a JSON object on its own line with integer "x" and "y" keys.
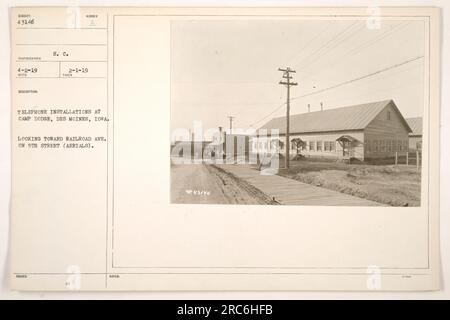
{"x": 358, "y": 78}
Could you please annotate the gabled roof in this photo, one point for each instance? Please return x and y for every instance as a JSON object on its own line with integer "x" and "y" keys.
{"x": 416, "y": 126}
{"x": 355, "y": 117}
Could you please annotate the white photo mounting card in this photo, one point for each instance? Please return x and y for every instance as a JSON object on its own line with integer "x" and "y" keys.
{"x": 225, "y": 148}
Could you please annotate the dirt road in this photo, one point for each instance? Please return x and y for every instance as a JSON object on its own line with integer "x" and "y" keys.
{"x": 205, "y": 184}
{"x": 192, "y": 183}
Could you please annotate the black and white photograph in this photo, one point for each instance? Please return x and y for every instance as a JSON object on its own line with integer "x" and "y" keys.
{"x": 214, "y": 151}
{"x": 325, "y": 112}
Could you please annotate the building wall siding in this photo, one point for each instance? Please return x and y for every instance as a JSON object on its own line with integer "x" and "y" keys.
{"x": 357, "y": 152}
{"x": 415, "y": 143}
{"x": 385, "y": 135}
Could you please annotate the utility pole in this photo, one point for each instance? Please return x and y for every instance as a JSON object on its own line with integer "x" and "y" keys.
{"x": 231, "y": 123}
{"x": 287, "y": 82}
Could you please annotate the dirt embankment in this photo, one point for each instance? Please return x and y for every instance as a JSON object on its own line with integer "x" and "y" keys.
{"x": 238, "y": 191}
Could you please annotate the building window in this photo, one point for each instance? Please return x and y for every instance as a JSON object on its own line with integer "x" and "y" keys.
{"x": 367, "y": 145}
{"x": 389, "y": 115}
{"x": 312, "y": 145}
{"x": 328, "y": 146}
{"x": 375, "y": 145}
{"x": 319, "y": 145}
{"x": 419, "y": 145}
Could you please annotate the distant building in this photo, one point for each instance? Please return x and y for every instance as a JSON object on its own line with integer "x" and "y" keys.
{"x": 415, "y": 137}
{"x": 229, "y": 146}
{"x": 189, "y": 149}
{"x": 366, "y": 131}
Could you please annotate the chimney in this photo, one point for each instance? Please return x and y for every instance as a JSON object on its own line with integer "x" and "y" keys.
{"x": 309, "y": 107}
{"x": 321, "y": 106}
{"x": 220, "y": 134}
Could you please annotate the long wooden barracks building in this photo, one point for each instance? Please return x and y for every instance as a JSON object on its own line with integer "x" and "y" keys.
{"x": 366, "y": 131}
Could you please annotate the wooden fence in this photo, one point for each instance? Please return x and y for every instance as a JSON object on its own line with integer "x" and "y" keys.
{"x": 409, "y": 158}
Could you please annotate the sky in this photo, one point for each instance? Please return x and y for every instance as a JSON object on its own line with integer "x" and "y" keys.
{"x": 230, "y": 67}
